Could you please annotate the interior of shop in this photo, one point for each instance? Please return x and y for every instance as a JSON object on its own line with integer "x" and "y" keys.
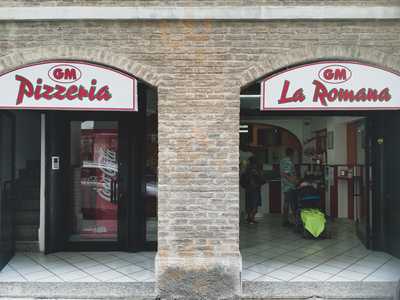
{"x": 330, "y": 153}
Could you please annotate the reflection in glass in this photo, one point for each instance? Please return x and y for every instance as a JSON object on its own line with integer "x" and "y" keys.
{"x": 94, "y": 168}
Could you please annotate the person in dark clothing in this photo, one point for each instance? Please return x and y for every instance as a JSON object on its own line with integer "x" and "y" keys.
{"x": 289, "y": 182}
{"x": 252, "y": 180}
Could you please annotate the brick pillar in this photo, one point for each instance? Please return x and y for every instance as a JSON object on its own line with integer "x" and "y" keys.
{"x": 198, "y": 231}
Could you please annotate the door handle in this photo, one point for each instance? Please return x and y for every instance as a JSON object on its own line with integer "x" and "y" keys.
{"x": 113, "y": 191}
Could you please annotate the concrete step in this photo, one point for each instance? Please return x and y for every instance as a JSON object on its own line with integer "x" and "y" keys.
{"x": 319, "y": 290}
{"x": 27, "y": 246}
{"x": 74, "y": 290}
{"x": 26, "y": 232}
{"x": 27, "y": 217}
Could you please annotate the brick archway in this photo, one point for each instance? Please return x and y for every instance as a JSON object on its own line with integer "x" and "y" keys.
{"x": 101, "y": 56}
{"x": 269, "y": 63}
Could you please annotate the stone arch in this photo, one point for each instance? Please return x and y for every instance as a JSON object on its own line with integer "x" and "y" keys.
{"x": 270, "y": 63}
{"x": 96, "y": 55}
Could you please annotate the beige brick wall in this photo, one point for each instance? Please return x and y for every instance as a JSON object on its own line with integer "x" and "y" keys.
{"x": 193, "y": 2}
{"x": 199, "y": 68}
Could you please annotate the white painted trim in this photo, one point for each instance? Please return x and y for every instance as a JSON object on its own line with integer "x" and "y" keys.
{"x": 42, "y": 183}
{"x": 199, "y": 13}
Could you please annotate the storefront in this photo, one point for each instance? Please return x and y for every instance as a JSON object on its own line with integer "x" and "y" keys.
{"x": 94, "y": 148}
{"x": 122, "y": 120}
{"x": 332, "y": 115}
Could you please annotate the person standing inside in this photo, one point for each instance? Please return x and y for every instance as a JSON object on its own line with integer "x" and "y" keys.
{"x": 289, "y": 181}
{"x": 251, "y": 180}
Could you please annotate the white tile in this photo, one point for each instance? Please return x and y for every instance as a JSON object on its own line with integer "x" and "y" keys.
{"x": 359, "y": 268}
{"x": 338, "y": 278}
{"x": 266, "y": 255}
{"x": 338, "y": 264}
{"x": 77, "y": 259}
{"x": 149, "y": 254}
{"x": 266, "y": 267}
{"x": 374, "y": 277}
{"x": 142, "y": 275}
{"x": 85, "y": 279}
{"x": 254, "y": 259}
{"x": 298, "y": 254}
{"x": 248, "y": 275}
{"x": 38, "y": 275}
{"x": 129, "y": 269}
{"x": 72, "y": 275}
{"x": 118, "y": 263}
{"x": 306, "y": 263}
{"x": 50, "y": 279}
{"x": 30, "y": 269}
{"x": 327, "y": 269}
{"x": 285, "y": 259}
{"x": 147, "y": 264}
{"x": 321, "y": 276}
{"x": 267, "y": 278}
{"x": 346, "y": 259}
{"x": 282, "y": 275}
{"x": 122, "y": 279}
{"x": 133, "y": 258}
{"x": 108, "y": 275}
{"x": 294, "y": 269}
{"x": 86, "y": 264}
{"x": 12, "y": 278}
{"x": 351, "y": 275}
{"x": 97, "y": 269}
{"x": 304, "y": 278}
{"x": 64, "y": 269}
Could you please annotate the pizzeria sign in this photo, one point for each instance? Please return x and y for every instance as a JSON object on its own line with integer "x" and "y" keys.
{"x": 68, "y": 85}
{"x": 331, "y": 85}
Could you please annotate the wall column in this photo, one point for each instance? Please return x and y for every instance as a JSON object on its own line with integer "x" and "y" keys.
{"x": 198, "y": 213}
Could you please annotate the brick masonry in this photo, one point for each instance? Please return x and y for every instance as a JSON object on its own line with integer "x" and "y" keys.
{"x": 198, "y": 68}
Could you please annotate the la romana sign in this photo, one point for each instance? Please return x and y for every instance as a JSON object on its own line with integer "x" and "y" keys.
{"x": 68, "y": 85}
{"x": 331, "y": 85}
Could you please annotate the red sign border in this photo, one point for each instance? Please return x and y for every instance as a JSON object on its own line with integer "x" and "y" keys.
{"x": 67, "y": 61}
{"x": 263, "y": 101}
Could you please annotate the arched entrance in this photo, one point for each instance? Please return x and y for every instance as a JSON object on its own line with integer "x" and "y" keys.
{"x": 94, "y": 151}
{"x": 341, "y": 150}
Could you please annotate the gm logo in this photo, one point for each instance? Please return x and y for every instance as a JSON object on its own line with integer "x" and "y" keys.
{"x": 65, "y": 73}
{"x": 335, "y": 74}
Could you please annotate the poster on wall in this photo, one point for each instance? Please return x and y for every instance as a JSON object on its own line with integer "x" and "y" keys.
{"x": 68, "y": 85}
{"x": 331, "y": 85}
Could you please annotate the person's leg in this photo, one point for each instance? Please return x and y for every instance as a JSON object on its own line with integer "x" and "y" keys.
{"x": 292, "y": 203}
{"x": 253, "y": 215}
{"x": 285, "y": 216}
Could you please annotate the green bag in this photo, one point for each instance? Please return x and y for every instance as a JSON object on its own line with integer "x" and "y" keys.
{"x": 313, "y": 220}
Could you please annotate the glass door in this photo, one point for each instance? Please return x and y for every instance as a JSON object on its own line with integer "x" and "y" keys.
{"x": 94, "y": 176}
{"x": 95, "y": 194}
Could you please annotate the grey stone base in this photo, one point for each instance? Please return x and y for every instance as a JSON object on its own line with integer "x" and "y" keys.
{"x": 198, "y": 277}
{"x": 70, "y": 290}
{"x": 319, "y": 290}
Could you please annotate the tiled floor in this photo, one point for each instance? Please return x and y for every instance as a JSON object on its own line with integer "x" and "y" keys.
{"x": 270, "y": 253}
{"x": 80, "y": 267}
{"x": 274, "y": 253}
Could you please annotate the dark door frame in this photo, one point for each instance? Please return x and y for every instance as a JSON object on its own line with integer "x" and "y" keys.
{"x": 130, "y": 214}
{"x": 7, "y": 200}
